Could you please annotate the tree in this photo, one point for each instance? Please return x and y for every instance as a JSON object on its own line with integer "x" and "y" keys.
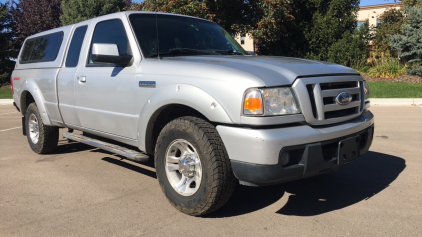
{"x": 128, "y": 4}
{"x": 409, "y": 42}
{"x": 300, "y": 28}
{"x": 34, "y": 16}
{"x": 351, "y": 49}
{"x": 75, "y": 11}
{"x": 7, "y": 51}
{"x": 274, "y": 27}
{"x": 391, "y": 24}
{"x": 330, "y": 21}
{"x": 224, "y": 12}
{"x": 411, "y": 3}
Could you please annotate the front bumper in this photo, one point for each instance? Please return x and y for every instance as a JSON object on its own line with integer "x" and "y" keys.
{"x": 255, "y": 153}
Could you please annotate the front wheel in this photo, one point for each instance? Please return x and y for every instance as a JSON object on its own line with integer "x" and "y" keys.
{"x": 41, "y": 138}
{"x": 193, "y": 167}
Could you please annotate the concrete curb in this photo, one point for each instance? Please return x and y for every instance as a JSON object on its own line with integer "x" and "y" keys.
{"x": 397, "y": 101}
{"x": 6, "y": 101}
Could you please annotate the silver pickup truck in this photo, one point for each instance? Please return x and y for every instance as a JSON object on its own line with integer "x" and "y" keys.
{"x": 182, "y": 91}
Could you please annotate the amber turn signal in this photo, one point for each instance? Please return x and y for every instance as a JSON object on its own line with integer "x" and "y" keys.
{"x": 253, "y": 104}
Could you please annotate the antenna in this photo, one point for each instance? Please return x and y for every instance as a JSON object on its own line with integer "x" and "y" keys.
{"x": 156, "y": 29}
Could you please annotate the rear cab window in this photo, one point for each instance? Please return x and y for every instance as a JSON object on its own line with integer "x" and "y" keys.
{"x": 42, "y": 49}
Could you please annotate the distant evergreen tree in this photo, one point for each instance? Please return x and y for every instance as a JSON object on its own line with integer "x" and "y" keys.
{"x": 75, "y": 11}
{"x": 7, "y": 50}
{"x": 409, "y": 43}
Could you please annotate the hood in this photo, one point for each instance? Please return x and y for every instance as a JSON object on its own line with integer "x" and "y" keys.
{"x": 273, "y": 71}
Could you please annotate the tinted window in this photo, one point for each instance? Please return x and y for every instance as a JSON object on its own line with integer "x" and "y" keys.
{"x": 111, "y": 32}
{"x": 181, "y": 36}
{"x": 42, "y": 49}
{"x": 75, "y": 46}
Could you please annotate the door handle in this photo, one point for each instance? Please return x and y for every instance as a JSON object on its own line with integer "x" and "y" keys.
{"x": 82, "y": 78}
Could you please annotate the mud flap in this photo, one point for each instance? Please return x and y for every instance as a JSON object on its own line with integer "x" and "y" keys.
{"x": 23, "y": 126}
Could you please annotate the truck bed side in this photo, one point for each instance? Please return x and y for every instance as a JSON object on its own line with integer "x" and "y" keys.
{"x": 37, "y": 81}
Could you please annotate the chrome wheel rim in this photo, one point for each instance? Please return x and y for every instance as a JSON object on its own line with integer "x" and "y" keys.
{"x": 34, "y": 128}
{"x": 183, "y": 167}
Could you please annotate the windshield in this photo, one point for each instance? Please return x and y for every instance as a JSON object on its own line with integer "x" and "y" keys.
{"x": 180, "y": 36}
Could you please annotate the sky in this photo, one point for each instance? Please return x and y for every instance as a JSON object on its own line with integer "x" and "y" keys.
{"x": 362, "y": 2}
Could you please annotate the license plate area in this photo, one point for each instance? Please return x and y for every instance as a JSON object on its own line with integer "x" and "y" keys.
{"x": 348, "y": 150}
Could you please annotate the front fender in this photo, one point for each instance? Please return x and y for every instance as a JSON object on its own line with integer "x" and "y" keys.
{"x": 29, "y": 86}
{"x": 182, "y": 94}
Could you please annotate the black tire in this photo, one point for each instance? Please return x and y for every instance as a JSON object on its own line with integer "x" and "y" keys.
{"x": 48, "y": 135}
{"x": 218, "y": 182}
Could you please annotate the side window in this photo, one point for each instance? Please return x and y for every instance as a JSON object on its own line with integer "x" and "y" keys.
{"x": 42, "y": 49}
{"x": 75, "y": 46}
{"x": 111, "y": 32}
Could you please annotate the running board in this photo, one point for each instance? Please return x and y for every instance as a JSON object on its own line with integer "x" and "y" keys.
{"x": 129, "y": 154}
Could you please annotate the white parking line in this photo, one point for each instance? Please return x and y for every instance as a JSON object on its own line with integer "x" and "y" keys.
{"x": 9, "y": 113}
{"x": 10, "y": 129}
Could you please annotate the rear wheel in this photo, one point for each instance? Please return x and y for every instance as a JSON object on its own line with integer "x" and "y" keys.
{"x": 41, "y": 138}
{"x": 193, "y": 167}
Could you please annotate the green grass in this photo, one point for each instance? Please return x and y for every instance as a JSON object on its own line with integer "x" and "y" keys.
{"x": 395, "y": 90}
{"x": 6, "y": 93}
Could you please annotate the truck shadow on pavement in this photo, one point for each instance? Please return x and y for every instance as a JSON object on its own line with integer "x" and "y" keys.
{"x": 65, "y": 147}
{"x": 356, "y": 182}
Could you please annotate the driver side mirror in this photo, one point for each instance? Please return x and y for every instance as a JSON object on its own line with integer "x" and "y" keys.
{"x": 109, "y": 53}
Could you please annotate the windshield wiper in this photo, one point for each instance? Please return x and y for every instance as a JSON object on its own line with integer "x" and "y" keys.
{"x": 183, "y": 51}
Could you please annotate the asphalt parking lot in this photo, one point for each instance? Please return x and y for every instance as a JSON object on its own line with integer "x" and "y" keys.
{"x": 83, "y": 191}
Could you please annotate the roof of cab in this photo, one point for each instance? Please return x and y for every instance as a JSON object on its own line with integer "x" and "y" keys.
{"x": 160, "y": 13}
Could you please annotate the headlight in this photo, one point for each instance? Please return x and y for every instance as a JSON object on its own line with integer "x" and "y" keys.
{"x": 270, "y": 102}
{"x": 367, "y": 91}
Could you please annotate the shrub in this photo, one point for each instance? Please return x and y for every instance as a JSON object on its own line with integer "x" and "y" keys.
{"x": 409, "y": 42}
{"x": 387, "y": 68}
{"x": 362, "y": 68}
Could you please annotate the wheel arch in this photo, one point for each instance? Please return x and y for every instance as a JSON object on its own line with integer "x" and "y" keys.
{"x": 172, "y": 102}
{"x": 161, "y": 117}
{"x": 31, "y": 93}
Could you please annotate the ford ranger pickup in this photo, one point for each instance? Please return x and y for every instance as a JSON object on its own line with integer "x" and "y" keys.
{"x": 182, "y": 92}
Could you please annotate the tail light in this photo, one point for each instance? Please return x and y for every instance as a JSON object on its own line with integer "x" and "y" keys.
{"x": 11, "y": 84}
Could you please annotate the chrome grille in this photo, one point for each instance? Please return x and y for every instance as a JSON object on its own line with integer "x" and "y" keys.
{"x": 317, "y": 98}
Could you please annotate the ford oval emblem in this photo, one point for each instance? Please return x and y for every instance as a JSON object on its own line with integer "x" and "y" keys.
{"x": 344, "y": 98}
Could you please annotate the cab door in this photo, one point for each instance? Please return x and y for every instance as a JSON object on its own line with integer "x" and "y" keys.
{"x": 67, "y": 75}
{"x": 105, "y": 92}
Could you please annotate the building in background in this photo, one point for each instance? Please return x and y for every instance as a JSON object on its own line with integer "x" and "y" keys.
{"x": 372, "y": 13}
{"x": 246, "y": 42}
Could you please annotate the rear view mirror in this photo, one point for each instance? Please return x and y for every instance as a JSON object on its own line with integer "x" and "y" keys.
{"x": 109, "y": 53}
